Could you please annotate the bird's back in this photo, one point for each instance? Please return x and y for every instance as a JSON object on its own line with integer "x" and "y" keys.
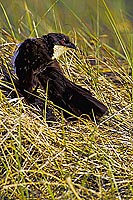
{"x": 31, "y": 54}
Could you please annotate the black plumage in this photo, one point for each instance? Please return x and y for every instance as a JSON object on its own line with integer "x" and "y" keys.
{"x": 68, "y": 95}
{"x": 31, "y": 54}
{"x": 36, "y": 66}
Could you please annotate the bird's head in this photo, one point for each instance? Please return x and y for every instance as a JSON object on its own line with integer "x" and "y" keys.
{"x": 60, "y": 43}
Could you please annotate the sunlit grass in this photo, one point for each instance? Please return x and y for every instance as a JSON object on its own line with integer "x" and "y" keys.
{"x": 60, "y": 159}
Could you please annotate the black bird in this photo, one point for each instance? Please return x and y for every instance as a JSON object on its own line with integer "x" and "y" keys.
{"x": 36, "y": 65}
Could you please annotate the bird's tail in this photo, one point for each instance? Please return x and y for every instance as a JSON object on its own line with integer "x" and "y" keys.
{"x": 69, "y": 96}
{"x": 80, "y": 101}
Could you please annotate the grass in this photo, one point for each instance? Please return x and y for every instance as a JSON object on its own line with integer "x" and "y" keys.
{"x": 60, "y": 159}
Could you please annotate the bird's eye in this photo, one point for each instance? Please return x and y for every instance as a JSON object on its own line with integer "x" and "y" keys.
{"x": 63, "y": 41}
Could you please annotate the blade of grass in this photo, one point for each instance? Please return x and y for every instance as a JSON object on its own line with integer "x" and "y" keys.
{"x": 35, "y": 28}
{"x": 8, "y": 21}
{"x": 69, "y": 181}
{"x": 29, "y": 20}
{"x": 117, "y": 32}
{"x": 45, "y": 104}
{"x": 43, "y": 17}
{"x": 114, "y": 181}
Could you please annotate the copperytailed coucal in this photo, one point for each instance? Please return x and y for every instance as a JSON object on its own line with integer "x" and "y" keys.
{"x": 36, "y": 65}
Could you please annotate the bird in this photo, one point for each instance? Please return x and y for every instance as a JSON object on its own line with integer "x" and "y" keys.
{"x": 36, "y": 66}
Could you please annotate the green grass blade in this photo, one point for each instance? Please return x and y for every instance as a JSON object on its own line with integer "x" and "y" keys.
{"x": 116, "y": 30}
{"x": 29, "y": 20}
{"x": 48, "y": 10}
{"x": 8, "y": 21}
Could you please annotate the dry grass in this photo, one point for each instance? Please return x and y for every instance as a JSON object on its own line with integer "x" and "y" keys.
{"x": 69, "y": 160}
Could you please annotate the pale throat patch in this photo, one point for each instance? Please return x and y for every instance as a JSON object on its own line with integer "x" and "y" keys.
{"x": 58, "y": 51}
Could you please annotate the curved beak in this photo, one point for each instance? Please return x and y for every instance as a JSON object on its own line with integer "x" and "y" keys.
{"x": 70, "y": 45}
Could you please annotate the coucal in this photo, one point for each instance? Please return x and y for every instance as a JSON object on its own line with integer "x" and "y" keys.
{"x": 36, "y": 65}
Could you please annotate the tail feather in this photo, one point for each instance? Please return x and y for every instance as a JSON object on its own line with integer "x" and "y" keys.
{"x": 80, "y": 101}
{"x": 68, "y": 95}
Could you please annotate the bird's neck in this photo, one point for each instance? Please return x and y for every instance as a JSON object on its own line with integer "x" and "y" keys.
{"x": 54, "y": 51}
{"x": 49, "y": 47}
{"x": 58, "y": 50}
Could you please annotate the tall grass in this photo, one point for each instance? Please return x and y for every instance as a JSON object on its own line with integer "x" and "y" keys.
{"x": 56, "y": 159}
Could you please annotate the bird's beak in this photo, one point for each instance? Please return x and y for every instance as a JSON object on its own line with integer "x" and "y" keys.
{"x": 70, "y": 45}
